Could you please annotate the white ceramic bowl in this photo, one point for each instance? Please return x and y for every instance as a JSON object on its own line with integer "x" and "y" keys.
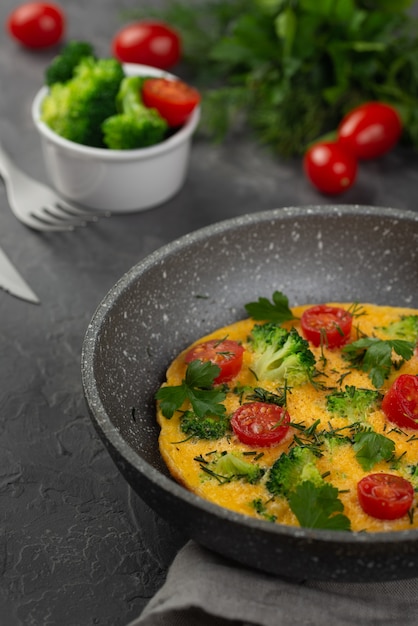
{"x": 117, "y": 180}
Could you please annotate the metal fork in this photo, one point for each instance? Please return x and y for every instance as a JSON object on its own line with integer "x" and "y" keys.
{"x": 36, "y": 205}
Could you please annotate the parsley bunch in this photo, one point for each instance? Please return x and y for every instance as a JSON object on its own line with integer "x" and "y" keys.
{"x": 290, "y": 69}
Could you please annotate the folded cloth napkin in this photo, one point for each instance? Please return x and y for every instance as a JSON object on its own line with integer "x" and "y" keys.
{"x": 205, "y": 589}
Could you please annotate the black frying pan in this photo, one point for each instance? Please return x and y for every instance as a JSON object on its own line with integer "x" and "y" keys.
{"x": 201, "y": 282}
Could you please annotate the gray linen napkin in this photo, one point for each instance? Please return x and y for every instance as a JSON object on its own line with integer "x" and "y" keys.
{"x": 204, "y": 589}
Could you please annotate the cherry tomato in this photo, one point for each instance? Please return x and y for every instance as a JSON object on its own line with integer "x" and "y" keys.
{"x": 149, "y": 43}
{"x": 400, "y": 403}
{"x": 225, "y": 353}
{"x": 326, "y": 325}
{"x": 173, "y": 99}
{"x": 36, "y": 24}
{"x": 260, "y": 423}
{"x": 330, "y": 167}
{"x": 385, "y": 496}
{"x": 370, "y": 130}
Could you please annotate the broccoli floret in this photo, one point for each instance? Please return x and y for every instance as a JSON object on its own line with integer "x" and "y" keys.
{"x": 281, "y": 356}
{"x": 135, "y": 126}
{"x": 76, "y": 109}
{"x": 405, "y": 328}
{"x": 229, "y": 466}
{"x": 353, "y": 403}
{"x": 291, "y": 470}
{"x": 209, "y": 427}
{"x": 61, "y": 69}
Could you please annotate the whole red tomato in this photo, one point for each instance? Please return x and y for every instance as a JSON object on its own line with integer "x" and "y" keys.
{"x": 147, "y": 42}
{"x": 330, "y": 168}
{"x": 36, "y": 24}
{"x": 370, "y": 130}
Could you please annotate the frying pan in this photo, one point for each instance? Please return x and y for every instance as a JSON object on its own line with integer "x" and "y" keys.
{"x": 200, "y": 282}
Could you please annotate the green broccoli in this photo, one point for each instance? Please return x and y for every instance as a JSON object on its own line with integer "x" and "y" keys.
{"x": 291, "y": 470}
{"x": 314, "y": 501}
{"x": 405, "y": 328}
{"x": 281, "y": 356}
{"x": 228, "y": 466}
{"x": 76, "y": 109}
{"x": 208, "y": 427}
{"x": 353, "y": 403}
{"x": 61, "y": 69}
{"x": 135, "y": 125}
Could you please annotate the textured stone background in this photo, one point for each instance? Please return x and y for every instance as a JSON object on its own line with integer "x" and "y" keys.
{"x": 77, "y": 547}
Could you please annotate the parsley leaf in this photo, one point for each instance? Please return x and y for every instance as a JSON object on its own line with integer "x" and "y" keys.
{"x": 171, "y": 399}
{"x": 371, "y": 448}
{"x": 374, "y": 356}
{"x": 318, "y": 507}
{"x": 197, "y": 387}
{"x": 276, "y": 311}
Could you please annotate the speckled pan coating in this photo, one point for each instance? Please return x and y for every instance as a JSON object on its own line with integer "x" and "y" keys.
{"x": 202, "y": 281}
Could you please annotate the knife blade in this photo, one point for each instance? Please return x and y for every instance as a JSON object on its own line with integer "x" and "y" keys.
{"x": 12, "y": 281}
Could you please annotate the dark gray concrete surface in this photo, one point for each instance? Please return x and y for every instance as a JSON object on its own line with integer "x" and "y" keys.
{"x": 77, "y": 547}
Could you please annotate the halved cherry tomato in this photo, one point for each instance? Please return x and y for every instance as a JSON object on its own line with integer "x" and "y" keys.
{"x": 173, "y": 99}
{"x": 370, "y": 130}
{"x": 260, "y": 423}
{"x": 36, "y": 24}
{"x": 225, "y": 353}
{"x": 147, "y": 42}
{"x": 385, "y": 496}
{"x": 400, "y": 403}
{"x": 326, "y": 325}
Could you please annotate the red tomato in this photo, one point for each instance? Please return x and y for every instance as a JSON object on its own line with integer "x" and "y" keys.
{"x": 326, "y": 325}
{"x": 370, "y": 130}
{"x": 36, "y": 24}
{"x": 226, "y": 354}
{"x": 260, "y": 423}
{"x": 400, "y": 404}
{"x": 173, "y": 99}
{"x": 149, "y": 43}
{"x": 385, "y": 496}
{"x": 330, "y": 167}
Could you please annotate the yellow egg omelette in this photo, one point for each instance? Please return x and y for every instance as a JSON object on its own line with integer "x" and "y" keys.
{"x": 301, "y": 418}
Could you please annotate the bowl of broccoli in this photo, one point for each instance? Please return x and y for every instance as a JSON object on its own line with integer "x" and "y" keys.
{"x": 103, "y": 147}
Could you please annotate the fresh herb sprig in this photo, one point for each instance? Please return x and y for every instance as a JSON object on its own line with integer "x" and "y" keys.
{"x": 318, "y": 507}
{"x": 277, "y": 310}
{"x": 374, "y": 356}
{"x": 371, "y": 447}
{"x": 198, "y": 388}
{"x": 290, "y": 69}
{"x": 259, "y": 394}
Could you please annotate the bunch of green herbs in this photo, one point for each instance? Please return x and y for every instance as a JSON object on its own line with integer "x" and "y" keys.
{"x": 290, "y": 69}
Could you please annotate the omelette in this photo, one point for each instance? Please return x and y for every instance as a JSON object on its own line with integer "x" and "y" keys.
{"x": 303, "y": 416}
